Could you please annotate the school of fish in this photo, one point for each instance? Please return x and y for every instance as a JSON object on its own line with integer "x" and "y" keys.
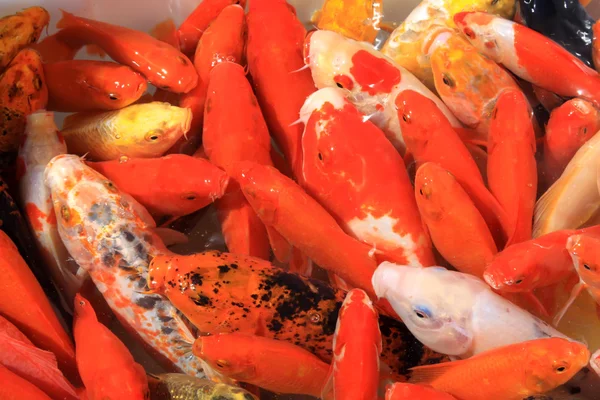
{"x": 414, "y": 219}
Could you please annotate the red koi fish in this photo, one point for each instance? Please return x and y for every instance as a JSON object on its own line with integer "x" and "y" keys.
{"x": 530, "y": 55}
{"x": 355, "y": 172}
{"x": 512, "y": 168}
{"x": 409, "y": 391}
{"x": 429, "y": 136}
{"x": 356, "y": 349}
{"x": 273, "y": 365}
{"x": 174, "y": 185}
{"x": 570, "y": 126}
{"x": 163, "y": 65}
{"x": 39, "y": 367}
{"x": 16, "y": 388}
{"x": 195, "y": 25}
{"x": 84, "y": 85}
{"x": 32, "y": 314}
{"x": 224, "y": 40}
{"x": 107, "y": 368}
{"x": 276, "y": 63}
{"x": 234, "y": 130}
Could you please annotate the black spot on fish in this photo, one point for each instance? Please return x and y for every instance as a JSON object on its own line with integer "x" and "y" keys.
{"x": 166, "y": 330}
{"x": 275, "y": 325}
{"x": 234, "y": 266}
{"x": 108, "y": 259}
{"x": 254, "y": 296}
{"x": 128, "y": 236}
{"x": 202, "y": 301}
{"x": 147, "y": 302}
{"x": 140, "y": 250}
{"x": 215, "y": 291}
{"x": 165, "y": 318}
{"x": 223, "y": 269}
{"x": 142, "y": 283}
{"x": 196, "y": 279}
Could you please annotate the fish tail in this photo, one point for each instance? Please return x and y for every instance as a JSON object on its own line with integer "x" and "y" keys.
{"x": 67, "y": 20}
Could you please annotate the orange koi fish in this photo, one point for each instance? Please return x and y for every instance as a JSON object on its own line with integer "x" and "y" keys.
{"x": 110, "y": 235}
{"x": 234, "y": 130}
{"x": 227, "y": 293}
{"x": 530, "y": 55}
{"x": 570, "y": 127}
{"x": 174, "y": 185}
{"x": 84, "y": 85}
{"x": 509, "y": 373}
{"x": 107, "y": 368}
{"x": 356, "y": 349}
{"x": 16, "y": 388}
{"x": 274, "y": 365}
{"x": 512, "y": 168}
{"x": 39, "y": 367}
{"x": 194, "y": 26}
{"x": 223, "y": 41}
{"x": 535, "y": 263}
{"x": 32, "y": 314}
{"x": 274, "y": 52}
{"x": 163, "y": 65}
{"x": 453, "y": 221}
{"x": 430, "y": 137}
{"x": 410, "y": 391}
{"x": 19, "y": 30}
{"x": 468, "y": 82}
{"x": 357, "y": 19}
{"x": 351, "y": 168}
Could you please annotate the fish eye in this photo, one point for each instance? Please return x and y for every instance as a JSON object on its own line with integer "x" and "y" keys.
{"x": 561, "y": 368}
{"x": 154, "y": 135}
{"x": 584, "y": 130}
{"x": 314, "y": 318}
{"x": 113, "y": 96}
{"x": 320, "y": 156}
{"x": 448, "y": 81}
{"x": 222, "y": 363}
{"x": 109, "y": 185}
{"x": 421, "y": 313}
{"x": 586, "y": 266}
{"x": 189, "y": 196}
{"x": 65, "y": 213}
{"x": 406, "y": 118}
{"x": 182, "y": 60}
{"x": 494, "y": 2}
{"x": 339, "y": 85}
{"x": 519, "y": 281}
{"x": 343, "y": 82}
{"x": 469, "y": 32}
{"x": 82, "y": 303}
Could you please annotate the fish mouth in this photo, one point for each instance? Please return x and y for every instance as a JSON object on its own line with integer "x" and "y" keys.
{"x": 488, "y": 277}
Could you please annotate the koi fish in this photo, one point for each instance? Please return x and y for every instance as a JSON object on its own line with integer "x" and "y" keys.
{"x": 223, "y": 41}
{"x": 511, "y": 372}
{"x": 407, "y": 42}
{"x": 371, "y": 80}
{"x": 139, "y": 130}
{"x": 234, "y": 130}
{"x": 530, "y": 55}
{"x": 84, "y": 85}
{"x": 19, "y": 30}
{"x": 455, "y": 313}
{"x": 107, "y": 368}
{"x": 468, "y": 82}
{"x": 356, "y": 174}
{"x": 23, "y": 90}
{"x": 570, "y": 126}
{"x": 174, "y": 185}
{"x": 274, "y": 365}
{"x": 410, "y": 391}
{"x": 429, "y": 136}
{"x": 358, "y": 19}
{"x": 192, "y": 29}
{"x": 185, "y": 387}
{"x": 228, "y": 293}
{"x": 565, "y": 22}
{"x": 538, "y": 262}
{"x": 584, "y": 250}
{"x": 512, "y": 168}
{"x": 33, "y": 313}
{"x": 356, "y": 349}
{"x": 274, "y": 52}
{"x": 42, "y": 142}
{"x": 109, "y": 235}
{"x": 574, "y": 198}
{"x": 453, "y": 221}
{"x": 16, "y": 388}
{"x": 163, "y": 65}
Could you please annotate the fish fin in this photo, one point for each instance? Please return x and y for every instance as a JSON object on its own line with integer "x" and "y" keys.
{"x": 170, "y": 236}
{"x": 579, "y": 286}
{"x": 327, "y": 390}
{"x": 429, "y": 373}
{"x": 66, "y": 21}
{"x": 282, "y": 249}
{"x": 537, "y": 305}
{"x": 306, "y": 66}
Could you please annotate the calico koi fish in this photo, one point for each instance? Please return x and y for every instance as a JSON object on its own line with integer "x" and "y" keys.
{"x": 274, "y": 52}
{"x": 511, "y": 372}
{"x": 371, "y": 80}
{"x": 185, "y": 387}
{"x": 163, "y": 65}
{"x": 42, "y": 142}
{"x": 356, "y": 174}
{"x": 174, "y": 185}
{"x": 20, "y": 30}
{"x": 109, "y": 235}
{"x": 569, "y": 128}
{"x": 455, "y": 313}
{"x": 512, "y": 168}
{"x": 410, "y": 391}
{"x": 139, "y": 130}
{"x": 358, "y": 19}
{"x": 228, "y": 293}
{"x": 530, "y": 55}
{"x": 84, "y": 85}
{"x": 107, "y": 368}
{"x": 429, "y": 136}
{"x": 274, "y": 365}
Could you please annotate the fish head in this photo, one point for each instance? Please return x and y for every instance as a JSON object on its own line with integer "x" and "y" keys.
{"x": 513, "y": 270}
{"x": 434, "y": 303}
{"x": 419, "y": 119}
{"x": 551, "y": 362}
{"x": 116, "y": 87}
{"x": 222, "y": 354}
{"x": 432, "y": 183}
{"x": 511, "y": 108}
{"x": 574, "y": 122}
{"x": 479, "y": 27}
{"x": 585, "y": 252}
